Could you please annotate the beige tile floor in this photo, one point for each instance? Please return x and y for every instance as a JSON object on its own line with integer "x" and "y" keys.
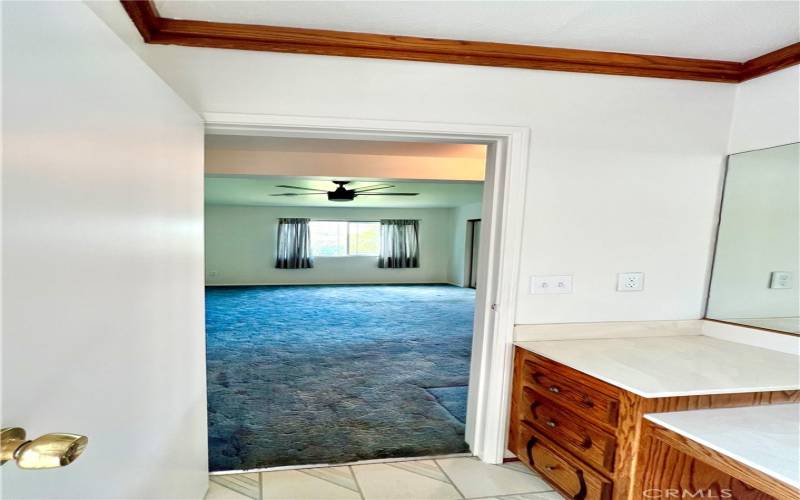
{"x": 439, "y": 479}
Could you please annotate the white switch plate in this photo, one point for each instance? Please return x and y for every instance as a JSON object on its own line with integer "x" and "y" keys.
{"x": 630, "y": 282}
{"x": 551, "y": 284}
{"x": 781, "y": 280}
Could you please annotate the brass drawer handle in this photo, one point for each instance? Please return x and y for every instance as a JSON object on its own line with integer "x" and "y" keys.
{"x": 551, "y": 467}
{"x": 552, "y": 424}
{"x": 554, "y": 389}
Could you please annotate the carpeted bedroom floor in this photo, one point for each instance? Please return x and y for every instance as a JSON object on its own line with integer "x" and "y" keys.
{"x": 330, "y": 374}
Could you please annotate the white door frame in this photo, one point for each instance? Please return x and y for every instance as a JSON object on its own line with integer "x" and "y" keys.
{"x": 500, "y": 245}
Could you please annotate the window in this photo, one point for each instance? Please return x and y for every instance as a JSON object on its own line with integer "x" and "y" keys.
{"x": 340, "y": 238}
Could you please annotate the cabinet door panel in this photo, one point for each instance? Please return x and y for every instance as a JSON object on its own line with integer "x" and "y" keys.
{"x": 667, "y": 471}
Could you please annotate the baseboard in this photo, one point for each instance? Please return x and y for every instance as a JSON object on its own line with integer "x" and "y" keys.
{"x": 336, "y": 283}
{"x": 612, "y": 329}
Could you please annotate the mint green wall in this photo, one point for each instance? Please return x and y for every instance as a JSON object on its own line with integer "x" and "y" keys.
{"x": 240, "y": 247}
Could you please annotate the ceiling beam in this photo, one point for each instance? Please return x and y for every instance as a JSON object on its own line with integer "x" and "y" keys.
{"x": 160, "y": 30}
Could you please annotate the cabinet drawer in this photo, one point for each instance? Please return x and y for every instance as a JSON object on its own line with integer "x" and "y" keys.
{"x": 567, "y": 474}
{"x": 577, "y": 397}
{"x": 569, "y": 431}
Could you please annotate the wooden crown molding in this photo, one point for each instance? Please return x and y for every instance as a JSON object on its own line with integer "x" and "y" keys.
{"x": 165, "y": 31}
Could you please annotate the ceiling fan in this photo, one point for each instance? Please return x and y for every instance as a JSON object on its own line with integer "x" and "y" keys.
{"x": 341, "y": 193}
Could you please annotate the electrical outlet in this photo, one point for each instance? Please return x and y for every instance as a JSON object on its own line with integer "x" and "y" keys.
{"x": 630, "y": 282}
{"x": 551, "y": 284}
{"x": 781, "y": 280}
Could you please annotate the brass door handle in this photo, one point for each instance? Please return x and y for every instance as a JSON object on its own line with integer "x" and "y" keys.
{"x": 45, "y": 452}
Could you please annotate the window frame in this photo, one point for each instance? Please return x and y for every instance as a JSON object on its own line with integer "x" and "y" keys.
{"x": 348, "y": 254}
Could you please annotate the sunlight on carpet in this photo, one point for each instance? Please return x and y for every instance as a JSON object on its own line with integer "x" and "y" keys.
{"x": 331, "y": 374}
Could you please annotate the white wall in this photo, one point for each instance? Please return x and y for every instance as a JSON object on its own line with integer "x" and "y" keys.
{"x": 767, "y": 111}
{"x": 459, "y": 241}
{"x": 103, "y": 261}
{"x": 241, "y": 246}
{"x": 624, "y": 172}
{"x": 766, "y": 114}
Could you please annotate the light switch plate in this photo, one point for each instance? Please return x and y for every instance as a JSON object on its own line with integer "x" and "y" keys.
{"x": 630, "y": 282}
{"x": 781, "y": 280}
{"x": 551, "y": 284}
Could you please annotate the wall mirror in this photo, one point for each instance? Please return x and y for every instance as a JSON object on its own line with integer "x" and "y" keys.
{"x": 754, "y": 281}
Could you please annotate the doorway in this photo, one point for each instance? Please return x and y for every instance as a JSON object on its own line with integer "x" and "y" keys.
{"x": 490, "y": 372}
{"x": 339, "y": 359}
{"x": 472, "y": 253}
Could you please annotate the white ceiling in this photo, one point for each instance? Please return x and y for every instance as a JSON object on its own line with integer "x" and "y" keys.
{"x": 341, "y": 146}
{"x": 725, "y": 30}
{"x": 241, "y": 190}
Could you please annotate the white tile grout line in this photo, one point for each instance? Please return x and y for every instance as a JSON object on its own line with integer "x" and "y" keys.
{"x": 358, "y": 485}
{"x": 526, "y": 471}
{"x": 239, "y": 492}
{"x": 319, "y": 466}
{"x": 510, "y": 495}
{"x": 498, "y": 496}
{"x": 319, "y": 478}
{"x": 396, "y": 465}
{"x": 449, "y": 479}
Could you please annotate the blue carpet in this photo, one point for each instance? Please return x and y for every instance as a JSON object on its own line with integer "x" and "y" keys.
{"x": 454, "y": 399}
{"x": 330, "y": 374}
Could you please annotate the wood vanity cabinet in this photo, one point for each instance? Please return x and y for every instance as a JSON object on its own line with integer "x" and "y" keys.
{"x": 582, "y": 435}
{"x": 669, "y": 462}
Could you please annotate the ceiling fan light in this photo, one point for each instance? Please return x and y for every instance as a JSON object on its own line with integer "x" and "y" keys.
{"x": 343, "y": 195}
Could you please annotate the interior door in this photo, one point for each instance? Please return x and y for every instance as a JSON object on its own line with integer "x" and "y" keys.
{"x": 103, "y": 329}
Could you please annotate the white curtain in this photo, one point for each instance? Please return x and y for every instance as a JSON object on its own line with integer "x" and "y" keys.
{"x": 399, "y": 244}
{"x": 294, "y": 244}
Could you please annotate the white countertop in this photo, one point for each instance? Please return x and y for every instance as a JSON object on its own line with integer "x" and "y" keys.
{"x": 766, "y": 438}
{"x": 689, "y": 365}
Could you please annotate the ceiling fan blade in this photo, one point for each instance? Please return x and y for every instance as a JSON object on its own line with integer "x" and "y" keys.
{"x": 387, "y": 194}
{"x": 298, "y": 187}
{"x": 297, "y": 194}
{"x": 373, "y": 188}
